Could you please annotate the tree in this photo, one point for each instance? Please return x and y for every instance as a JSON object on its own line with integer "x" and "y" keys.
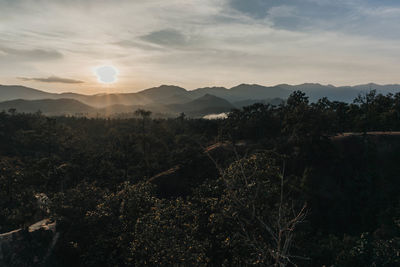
{"x": 263, "y": 220}
{"x": 145, "y": 115}
{"x": 12, "y": 111}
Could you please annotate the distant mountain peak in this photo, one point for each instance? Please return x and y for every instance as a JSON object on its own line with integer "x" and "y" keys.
{"x": 162, "y": 89}
{"x": 312, "y": 85}
{"x": 212, "y": 88}
{"x": 244, "y": 85}
{"x": 170, "y": 87}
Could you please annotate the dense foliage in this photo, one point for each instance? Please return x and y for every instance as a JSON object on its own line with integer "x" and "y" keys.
{"x": 269, "y": 185}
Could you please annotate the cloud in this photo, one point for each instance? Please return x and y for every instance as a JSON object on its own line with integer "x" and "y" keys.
{"x": 166, "y": 37}
{"x": 372, "y": 18}
{"x": 29, "y": 55}
{"x": 138, "y": 44}
{"x": 51, "y": 79}
{"x": 318, "y": 8}
{"x": 256, "y": 8}
{"x": 192, "y": 42}
{"x": 297, "y": 15}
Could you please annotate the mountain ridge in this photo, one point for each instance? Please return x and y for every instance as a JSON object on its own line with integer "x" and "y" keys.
{"x": 174, "y": 99}
{"x": 157, "y": 94}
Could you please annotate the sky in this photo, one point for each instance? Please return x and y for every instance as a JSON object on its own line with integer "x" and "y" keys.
{"x": 58, "y": 45}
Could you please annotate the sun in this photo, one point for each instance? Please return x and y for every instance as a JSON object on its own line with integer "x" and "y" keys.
{"x": 106, "y": 74}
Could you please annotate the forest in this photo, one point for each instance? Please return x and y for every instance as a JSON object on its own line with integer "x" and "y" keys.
{"x": 298, "y": 184}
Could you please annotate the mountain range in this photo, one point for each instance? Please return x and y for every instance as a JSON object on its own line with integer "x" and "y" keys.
{"x": 172, "y": 100}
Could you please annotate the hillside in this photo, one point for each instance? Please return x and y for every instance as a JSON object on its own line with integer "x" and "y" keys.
{"x": 207, "y": 104}
{"x": 167, "y": 94}
{"x": 244, "y": 92}
{"x": 11, "y": 92}
{"x": 158, "y": 95}
{"x": 47, "y": 106}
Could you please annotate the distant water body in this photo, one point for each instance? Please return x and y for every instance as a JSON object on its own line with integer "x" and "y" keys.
{"x": 216, "y": 116}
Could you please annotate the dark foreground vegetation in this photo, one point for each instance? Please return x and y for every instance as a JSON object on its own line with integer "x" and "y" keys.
{"x": 266, "y": 186}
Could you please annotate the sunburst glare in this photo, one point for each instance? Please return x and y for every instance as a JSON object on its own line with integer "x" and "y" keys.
{"x": 107, "y": 74}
